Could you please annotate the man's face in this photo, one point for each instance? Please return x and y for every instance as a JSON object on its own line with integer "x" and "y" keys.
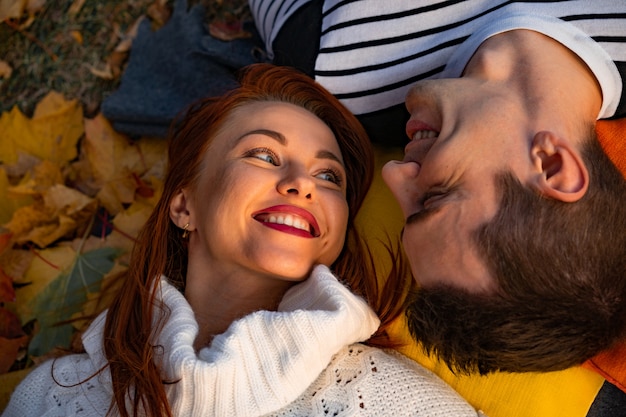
{"x": 463, "y": 132}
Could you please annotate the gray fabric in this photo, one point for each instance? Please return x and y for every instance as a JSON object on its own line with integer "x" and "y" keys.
{"x": 171, "y": 68}
{"x": 610, "y": 402}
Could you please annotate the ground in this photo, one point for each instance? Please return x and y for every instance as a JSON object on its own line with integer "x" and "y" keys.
{"x": 67, "y": 43}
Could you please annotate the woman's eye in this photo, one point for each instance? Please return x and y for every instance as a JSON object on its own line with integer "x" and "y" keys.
{"x": 330, "y": 175}
{"x": 263, "y": 154}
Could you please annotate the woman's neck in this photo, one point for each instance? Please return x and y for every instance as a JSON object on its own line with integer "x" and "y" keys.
{"x": 219, "y": 298}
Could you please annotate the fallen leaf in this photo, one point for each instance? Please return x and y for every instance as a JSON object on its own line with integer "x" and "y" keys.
{"x": 11, "y": 202}
{"x": 68, "y": 292}
{"x": 51, "y": 134}
{"x": 5, "y": 70}
{"x": 10, "y": 351}
{"x": 159, "y": 12}
{"x": 228, "y": 30}
{"x": 35, "y": 6}
{"x": 15, "y": 262}
{"x": 77, "y": 36}
{"x": 10, "y": 326}
{"x": 7, "y": 293}
{"x": 11, "y": 9}
{"x": 75, "y": 7}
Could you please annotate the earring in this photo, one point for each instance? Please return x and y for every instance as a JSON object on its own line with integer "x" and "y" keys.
{"x": 185, "y": 231}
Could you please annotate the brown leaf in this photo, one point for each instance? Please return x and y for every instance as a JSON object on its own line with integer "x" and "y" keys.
{"x": 7, "y": 292}
{"x": 10, "y": 326}
{"x": 10, "y": 351}
{"x": 228, "y": 30}
{"x": 15, "y": 262}
{"x": 11, "y": 9}
{"x": 159, "y": 12}
{"x": 5, "y": 70}
{"x": 75, "y": 7}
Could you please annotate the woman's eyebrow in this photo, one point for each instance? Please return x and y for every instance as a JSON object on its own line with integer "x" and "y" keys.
{"x": 279, "y": 137}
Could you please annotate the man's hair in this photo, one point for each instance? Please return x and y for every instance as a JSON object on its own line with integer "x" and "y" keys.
{"x": 560, "y": 270}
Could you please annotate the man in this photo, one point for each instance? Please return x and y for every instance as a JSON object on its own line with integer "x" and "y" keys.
{"x": 503, "y": 97}
{"x": 515, "y": 226}
{"x": 508, "y": 197}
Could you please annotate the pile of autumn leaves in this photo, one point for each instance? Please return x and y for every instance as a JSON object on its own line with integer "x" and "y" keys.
{"x": 75, "y": 194}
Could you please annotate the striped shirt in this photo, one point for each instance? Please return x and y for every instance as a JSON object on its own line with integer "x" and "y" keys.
{"x": 372, "y": 51}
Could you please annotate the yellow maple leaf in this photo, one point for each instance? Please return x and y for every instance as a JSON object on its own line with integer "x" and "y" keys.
{"x": 59, "y": 213}
{"x": 52, "y": 133}
{"x": 11, "y": 202}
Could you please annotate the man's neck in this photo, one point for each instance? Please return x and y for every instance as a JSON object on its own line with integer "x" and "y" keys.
{"x": 559, "y": 90}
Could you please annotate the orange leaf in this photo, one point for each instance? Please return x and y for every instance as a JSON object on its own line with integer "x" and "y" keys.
{"x": 7, "y": 293}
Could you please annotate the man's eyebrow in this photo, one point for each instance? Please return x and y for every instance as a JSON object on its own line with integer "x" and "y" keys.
{"x": 422, "y": 215}
{"x": 279, "y": 137}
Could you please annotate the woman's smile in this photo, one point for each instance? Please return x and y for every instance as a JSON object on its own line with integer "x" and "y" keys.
{"x": 289, "y": 219}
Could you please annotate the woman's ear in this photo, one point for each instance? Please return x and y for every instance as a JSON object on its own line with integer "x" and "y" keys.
{"x": 560, "y": 171}
{"x": 179, "y": 210}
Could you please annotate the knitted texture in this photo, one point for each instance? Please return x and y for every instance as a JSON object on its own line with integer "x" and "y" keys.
{"x": 366, "y": 381}
{"x": 261, "y": 363}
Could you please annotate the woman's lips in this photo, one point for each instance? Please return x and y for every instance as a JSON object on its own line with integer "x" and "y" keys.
{"x": 289, "y": 219}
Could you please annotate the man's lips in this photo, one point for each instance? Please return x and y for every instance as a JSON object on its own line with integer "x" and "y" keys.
{"x": 289, "y": 219}
{"x": 413, "y": 126}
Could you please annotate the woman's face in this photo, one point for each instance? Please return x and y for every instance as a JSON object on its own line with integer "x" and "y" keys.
{"x": 271, "y": 195}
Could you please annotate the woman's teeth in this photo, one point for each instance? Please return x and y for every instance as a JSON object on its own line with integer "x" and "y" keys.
{"x": 288, "y": 220}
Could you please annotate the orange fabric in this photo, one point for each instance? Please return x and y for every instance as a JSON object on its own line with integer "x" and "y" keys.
{"x": 611, "y": 364}
{"x": 612, "y": 137}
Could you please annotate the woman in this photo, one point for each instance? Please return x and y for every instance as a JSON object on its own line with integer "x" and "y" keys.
{"x": 261, "y": 192}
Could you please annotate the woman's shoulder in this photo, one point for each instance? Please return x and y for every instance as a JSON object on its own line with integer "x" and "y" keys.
{"x": 366, "y": 381}
{"x": 58, "y": 386}
{"x": 393, "y": 384}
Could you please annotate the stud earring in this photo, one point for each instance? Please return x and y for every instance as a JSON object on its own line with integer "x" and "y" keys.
{"x": 185, "y": 231}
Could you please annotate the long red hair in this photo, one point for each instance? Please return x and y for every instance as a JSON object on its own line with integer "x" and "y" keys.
{"x": 129, "y": 333}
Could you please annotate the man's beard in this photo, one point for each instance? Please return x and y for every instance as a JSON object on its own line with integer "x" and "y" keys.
{"x": 487, "y": 333}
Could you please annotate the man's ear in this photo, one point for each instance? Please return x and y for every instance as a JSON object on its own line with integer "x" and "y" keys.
{"x": 180, "y": 211}
{"x": 560, "y": 171}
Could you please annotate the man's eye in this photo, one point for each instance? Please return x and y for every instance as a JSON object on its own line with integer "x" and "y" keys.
{"x": 433, "y": 197}
{"x": 330, "y": 175}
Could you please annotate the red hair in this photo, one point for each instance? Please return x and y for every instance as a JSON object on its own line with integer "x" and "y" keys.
{"x": 129, "y": 331}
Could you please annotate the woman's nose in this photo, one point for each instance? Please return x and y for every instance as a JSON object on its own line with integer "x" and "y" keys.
{"x": 297, "y": 183}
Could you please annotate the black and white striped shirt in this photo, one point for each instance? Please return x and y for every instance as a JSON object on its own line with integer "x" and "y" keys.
{"x": 371, "y": 51}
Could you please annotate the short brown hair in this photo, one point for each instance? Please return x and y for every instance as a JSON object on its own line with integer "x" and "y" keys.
{"x": 560, "y": 270}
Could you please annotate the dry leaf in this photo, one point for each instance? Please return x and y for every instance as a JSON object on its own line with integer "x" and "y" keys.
{"x": 15, "y": 262}
{"x": 5, "y": 70}
{"x": 75, "y": 7}
{"x": 10, "y": 351}
{"x": 11, "y": 202}
{"x": 77, "y": 36}
{"x": 12, "y": 9}
{"x": 52, "y": 133}
{"x": 45, "y": 267}
{"x": 34, "y": 6}
{"x": 228, "y": 31}
{"x": 159, "y": 12}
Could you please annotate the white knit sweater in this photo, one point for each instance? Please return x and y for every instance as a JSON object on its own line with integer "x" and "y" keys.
{"x": 298, "y": 361}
